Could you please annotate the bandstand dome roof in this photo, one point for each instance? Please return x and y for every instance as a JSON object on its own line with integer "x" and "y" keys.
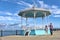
{"x": 29, "y": 12}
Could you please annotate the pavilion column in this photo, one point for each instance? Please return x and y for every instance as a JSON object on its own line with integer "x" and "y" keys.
{"x": 48, "y": 21}
{"x": 42, "y": 22}
{"x": 22, "y": 25}
{"x": 34, "y": 19}
{"x": 21, "y": 21}
{"x": 45, "y": 19}
{"x": 26, "y": 21}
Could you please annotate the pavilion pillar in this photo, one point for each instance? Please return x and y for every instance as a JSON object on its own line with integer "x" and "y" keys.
{"x": 26, "y": 21}
{"x": 21, "y": 21}
{"x": 42, "y": 22}
{"x": 45, "y": 19}
{"x": 35, "y": 20}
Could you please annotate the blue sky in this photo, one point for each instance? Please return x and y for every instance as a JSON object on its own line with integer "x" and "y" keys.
{"x": 9, "y": 10}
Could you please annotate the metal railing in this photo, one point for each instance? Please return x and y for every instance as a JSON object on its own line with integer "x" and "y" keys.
{"x": 11, "y": 32}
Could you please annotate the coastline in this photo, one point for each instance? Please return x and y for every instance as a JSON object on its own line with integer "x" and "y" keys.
{"x": 55, "y": 36}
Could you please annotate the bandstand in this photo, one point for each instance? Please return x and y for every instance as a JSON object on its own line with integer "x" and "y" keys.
{"x": 34, "y": 13}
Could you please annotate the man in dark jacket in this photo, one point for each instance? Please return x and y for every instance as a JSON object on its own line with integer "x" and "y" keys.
{"x": 51, "y": 28}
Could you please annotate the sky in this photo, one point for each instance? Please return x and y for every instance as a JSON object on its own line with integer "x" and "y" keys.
{"x": 9, "y": 10}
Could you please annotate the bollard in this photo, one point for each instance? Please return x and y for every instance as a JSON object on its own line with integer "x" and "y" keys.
{"x": 1, "y": 33}
{"x": 16, "y": 32}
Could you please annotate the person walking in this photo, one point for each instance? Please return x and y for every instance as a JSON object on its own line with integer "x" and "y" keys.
{"x": 46, "y": 28}
{"x": 51, "y": 28}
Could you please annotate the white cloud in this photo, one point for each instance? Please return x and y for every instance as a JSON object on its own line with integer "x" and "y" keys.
{"x": 6, "y": 13}
{"x": 56, "y": 15}
{"x": 53, "y": 8}
{"x": 16, "y": 14}
{"x": 19, "y": 3}
{"x": 55, "y": 11}
{"x": 46, "y": 6}
{"x": 41, "y": 4}
{"x": 9, "y": 18}
{"x": 25, "y": 3}
{"x": 5, "y": 18}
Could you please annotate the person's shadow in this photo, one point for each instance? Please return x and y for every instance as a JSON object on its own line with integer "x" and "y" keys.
{"x": 26, "y": 34}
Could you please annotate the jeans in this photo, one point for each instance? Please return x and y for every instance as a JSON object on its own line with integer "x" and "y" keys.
{"x": 51, "y": 31}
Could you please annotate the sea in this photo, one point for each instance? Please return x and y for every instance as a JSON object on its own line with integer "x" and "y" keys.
{"x": 11, "y": 32}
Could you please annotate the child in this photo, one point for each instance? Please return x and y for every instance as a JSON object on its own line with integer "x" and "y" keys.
{"x": 46, "y": 28}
